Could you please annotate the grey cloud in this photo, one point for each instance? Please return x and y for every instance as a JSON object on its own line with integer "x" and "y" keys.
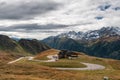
{"x": 36, "y": 27}
{"x": 24, "y": 10}
{"x": 32, "y": 27}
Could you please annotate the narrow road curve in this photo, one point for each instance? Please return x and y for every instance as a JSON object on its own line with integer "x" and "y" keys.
{"x": 90, "y": 66}
{"x": 11, "y": 62}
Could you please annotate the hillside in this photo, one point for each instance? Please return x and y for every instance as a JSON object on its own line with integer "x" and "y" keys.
{"x": 104, "y": 42}
{"x": 42, "y": 55}
{"x": 33, "y": 46}
{"x": 108, "y": 47}
{"x": 10, "y": 48}
{"x": 64, "y": 43}
{"x": 37, "y": 70}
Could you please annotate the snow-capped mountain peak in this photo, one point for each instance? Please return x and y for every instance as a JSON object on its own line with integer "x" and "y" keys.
{"x": 72, "y": 34}
{"x": 93, "y": 34}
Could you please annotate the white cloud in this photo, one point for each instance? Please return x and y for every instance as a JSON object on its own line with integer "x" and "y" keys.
{"x": 78, "y": 14}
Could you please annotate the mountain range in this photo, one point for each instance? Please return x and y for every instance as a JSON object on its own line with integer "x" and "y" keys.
{"x": 92, "y": 34}
{"x": 104, "y": 42}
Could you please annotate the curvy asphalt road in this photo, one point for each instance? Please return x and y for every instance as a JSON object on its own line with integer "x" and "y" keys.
{"x": 89, "y": 66}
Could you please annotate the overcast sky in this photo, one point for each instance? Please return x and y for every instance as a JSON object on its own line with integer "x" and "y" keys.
{"x": 42, "y": 18}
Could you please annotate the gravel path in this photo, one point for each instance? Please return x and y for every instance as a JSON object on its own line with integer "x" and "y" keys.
{"x": 90, "y": 66}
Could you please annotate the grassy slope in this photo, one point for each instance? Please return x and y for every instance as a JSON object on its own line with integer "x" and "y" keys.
{"x": 19, "y": 50}
{"x": 13, "y": 53}
{"x": 112, "y": 69}
{"x": 43, "y": 55}
{"x": 6, "y": 56}
{"x": 29, "y": 70}
{"x": 26, "y": 71}
{"x": 63, "y": 63}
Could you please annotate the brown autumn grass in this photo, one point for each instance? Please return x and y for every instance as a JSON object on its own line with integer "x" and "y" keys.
{"x": 112, "y": 71}
{"x": 43, "y": 55}
{"x": 28, "y": 70}
{"x": 4, "y": 56}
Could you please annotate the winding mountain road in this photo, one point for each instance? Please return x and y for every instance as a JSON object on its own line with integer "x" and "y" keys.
{"x": 90, "y": 66}
{"x": 11, "y": 62}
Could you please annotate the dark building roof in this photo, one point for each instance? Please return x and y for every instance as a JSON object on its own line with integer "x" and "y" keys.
{"x": 66, "y": 52}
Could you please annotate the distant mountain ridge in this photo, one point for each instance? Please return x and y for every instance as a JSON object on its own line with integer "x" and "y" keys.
{"x": 93, "y": 34}
{"x": 33, "y": 46}
{"x": 104, "y": 42}
{"x": 21, "y": 47}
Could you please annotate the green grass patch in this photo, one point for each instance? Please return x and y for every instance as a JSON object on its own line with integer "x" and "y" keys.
{"x": 64, "y": 64}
